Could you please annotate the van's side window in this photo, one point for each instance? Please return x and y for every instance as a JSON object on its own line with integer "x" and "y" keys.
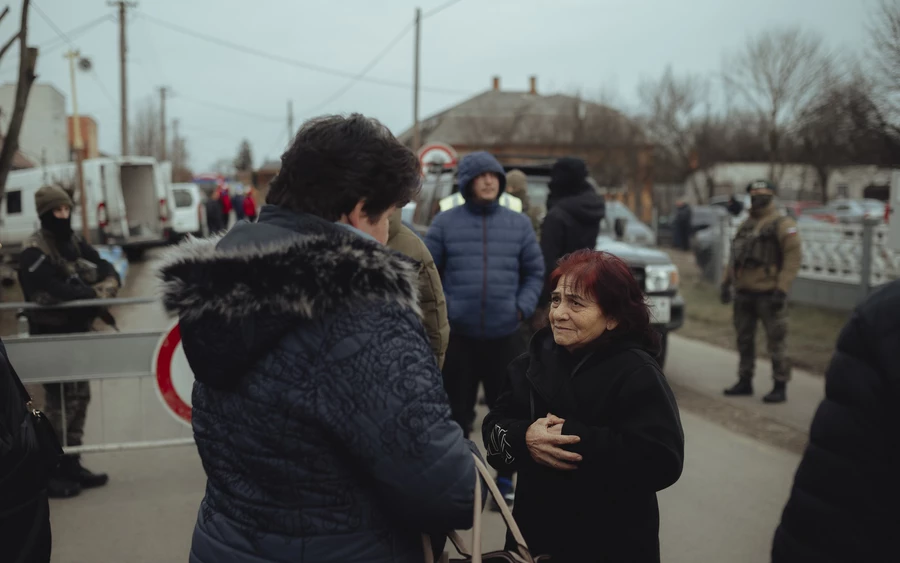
{"x": 14, "y": 202}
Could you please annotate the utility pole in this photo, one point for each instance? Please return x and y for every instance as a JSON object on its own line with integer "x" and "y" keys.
{"x": 290, "y": 121}
{"x": 123, "y": 68}
{"x": 78, "y": 146}
{"x": 162, "y": 121}
{"x": 416, "y": 137}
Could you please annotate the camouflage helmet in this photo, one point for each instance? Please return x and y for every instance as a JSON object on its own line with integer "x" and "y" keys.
{"x": 761, "y": 185}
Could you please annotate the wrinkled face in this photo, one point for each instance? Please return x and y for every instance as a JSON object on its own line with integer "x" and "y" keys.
{"x": 575, "y": 317}
{"x": 377, "y": 228}
{"x": 486, "y": 187}
{"x": 62, "y": 212}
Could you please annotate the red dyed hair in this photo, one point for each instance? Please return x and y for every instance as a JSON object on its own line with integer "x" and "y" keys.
{"x": 609, "y": 281}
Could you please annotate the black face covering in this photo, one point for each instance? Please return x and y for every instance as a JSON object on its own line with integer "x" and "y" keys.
{"x": 61, "y": 229}
{"x": 760, "y": 201}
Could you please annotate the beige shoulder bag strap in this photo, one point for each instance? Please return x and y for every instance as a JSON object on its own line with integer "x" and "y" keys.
{"x": 482, "y": 475}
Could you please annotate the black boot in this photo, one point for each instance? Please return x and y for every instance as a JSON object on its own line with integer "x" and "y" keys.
{"x": 72, "y": 469}
{"x": 744, "y": 386}
{"x": 778, "y": 394}
{"x": 59, "y": 487}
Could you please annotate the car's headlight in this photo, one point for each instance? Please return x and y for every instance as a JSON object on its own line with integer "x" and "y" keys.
{"x": 661, "y": 278}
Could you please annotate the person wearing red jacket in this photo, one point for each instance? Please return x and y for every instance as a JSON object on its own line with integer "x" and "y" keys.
{"x": 249, "y": 206}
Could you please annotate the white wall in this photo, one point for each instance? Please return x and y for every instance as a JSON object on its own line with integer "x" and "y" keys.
{"x": 44, "y": 127}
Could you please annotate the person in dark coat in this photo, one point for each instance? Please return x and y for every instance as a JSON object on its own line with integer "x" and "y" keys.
{"x": 491, "y": 268}
{"x": 682, "y": 226}
{"x": 215, "y": 216}
{"x": 575, "y": 211}
{"x": 734, "y": 206}
{"x": 24, "y": 508}
{"x": 588, "y": 421}
{"x": 318, "y": 408}
{"x": 843, "y": 505}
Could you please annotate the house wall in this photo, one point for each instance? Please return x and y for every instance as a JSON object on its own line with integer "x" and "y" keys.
{"x": 44, "y": 132}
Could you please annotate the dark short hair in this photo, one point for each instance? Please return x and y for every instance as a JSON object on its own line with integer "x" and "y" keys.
{"x": 335, "y": 161}
{"x": 609, "y": 280}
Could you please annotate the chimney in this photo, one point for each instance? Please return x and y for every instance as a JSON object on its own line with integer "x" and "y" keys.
{"x": 533, "y": 85}
{"x": 496, "y": 84}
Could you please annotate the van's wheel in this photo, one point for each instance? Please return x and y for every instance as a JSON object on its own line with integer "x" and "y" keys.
{"x": 134, "y": 254}
{"x": 663, "y": 348}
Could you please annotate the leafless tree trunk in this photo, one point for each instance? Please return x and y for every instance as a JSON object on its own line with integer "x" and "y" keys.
{"x": 145, "y": 130}
{"x": 27, "y": 62}
{"x": 776, "y": 73}
{"x": 885, "y": 50}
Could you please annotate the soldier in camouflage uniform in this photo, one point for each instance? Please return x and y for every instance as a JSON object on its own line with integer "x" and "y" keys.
{"x": 765, "y": 259}
{"x": 56, "y": 266}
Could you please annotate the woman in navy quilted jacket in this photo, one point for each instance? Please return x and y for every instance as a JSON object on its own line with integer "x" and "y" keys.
{"x": 318, "y": 408}
{"x": 493, "y": 272}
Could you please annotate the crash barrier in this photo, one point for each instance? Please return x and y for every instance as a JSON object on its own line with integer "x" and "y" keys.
{"x": 106, "y": 358}
{"x": 841, "y": 262}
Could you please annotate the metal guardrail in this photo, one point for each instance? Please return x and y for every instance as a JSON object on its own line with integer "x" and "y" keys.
{"x": 89, "y": 356}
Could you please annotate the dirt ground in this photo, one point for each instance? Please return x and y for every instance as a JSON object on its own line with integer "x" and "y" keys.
{"x": 813, "y": 331}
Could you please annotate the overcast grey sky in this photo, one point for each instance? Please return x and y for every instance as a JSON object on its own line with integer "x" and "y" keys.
{"x": 591, "y": 45}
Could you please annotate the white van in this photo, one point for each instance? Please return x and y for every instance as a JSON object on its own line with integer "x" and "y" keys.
{"x": 189, "y": 211}
{"x": 126, "y": 203}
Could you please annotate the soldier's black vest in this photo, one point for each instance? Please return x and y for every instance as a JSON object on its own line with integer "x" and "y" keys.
{"x": 752, "y": 248}
{"x": 79, "y": 270}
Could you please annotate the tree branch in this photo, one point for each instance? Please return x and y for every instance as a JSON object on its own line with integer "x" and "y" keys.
{"x": 8, "y": 44}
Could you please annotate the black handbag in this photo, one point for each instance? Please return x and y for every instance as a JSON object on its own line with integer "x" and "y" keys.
{"x": 44, "y": 438}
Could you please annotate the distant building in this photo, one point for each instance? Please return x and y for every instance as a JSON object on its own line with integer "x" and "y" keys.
{"x": 44, "y": 135}
{"x": 88, "y": 136}
{"x": 524, "y": 127}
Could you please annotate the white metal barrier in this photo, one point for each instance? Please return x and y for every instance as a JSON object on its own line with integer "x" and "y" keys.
{"x": 94, "y": 356}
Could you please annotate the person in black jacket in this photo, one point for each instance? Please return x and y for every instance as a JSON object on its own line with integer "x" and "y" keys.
{"x": 589, "y": 422}
{"x": 846, "y": 493}
{"x": 24, "y": 508}
{"x": 574, "y": 212}
{"x": 55, "y": 266}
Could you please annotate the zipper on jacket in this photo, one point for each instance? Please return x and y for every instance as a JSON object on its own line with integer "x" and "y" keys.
{"x": 485, "y": 273}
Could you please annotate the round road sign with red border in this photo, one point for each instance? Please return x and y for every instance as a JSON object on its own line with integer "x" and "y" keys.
{"x": 438, "y": 153}
{"x": 174, "y": 378}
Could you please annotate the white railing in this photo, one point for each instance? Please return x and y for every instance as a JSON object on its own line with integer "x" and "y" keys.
{"x": 835, "y": 253}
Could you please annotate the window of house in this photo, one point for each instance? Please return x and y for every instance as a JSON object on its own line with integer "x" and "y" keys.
{"x": 14, "y": 202}
{"x": 843, "y": 191}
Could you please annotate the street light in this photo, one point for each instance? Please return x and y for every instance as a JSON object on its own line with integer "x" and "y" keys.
{"x": 77, "y": 143}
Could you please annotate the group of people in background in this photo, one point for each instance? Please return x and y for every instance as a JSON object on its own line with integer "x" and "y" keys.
{"x": 221, "y": 203}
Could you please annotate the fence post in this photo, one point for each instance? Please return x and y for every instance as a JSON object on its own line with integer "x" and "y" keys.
{"x": 865, "y": 266}
{"x": 718, "y": 257}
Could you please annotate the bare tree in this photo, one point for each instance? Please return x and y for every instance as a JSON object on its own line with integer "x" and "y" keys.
{"x": 243, "y": 162}
{"x": 776, "y": 74}
{"x": 27, "y": 62}
{"x": 181, "y": 171}
{"x": 677, "y": 117}
{"x": 844, "y": 125}
{"x": 884, "y": 31}
{"x": 146, "y": 130}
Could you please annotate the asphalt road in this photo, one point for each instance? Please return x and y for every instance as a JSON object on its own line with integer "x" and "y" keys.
{"x": 724, "y": 508}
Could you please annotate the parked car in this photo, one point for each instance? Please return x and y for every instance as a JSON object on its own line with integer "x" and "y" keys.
{"x": 189, "y": 211}
{"x": 702, "y": 217}
{"x": 849, "y": 211}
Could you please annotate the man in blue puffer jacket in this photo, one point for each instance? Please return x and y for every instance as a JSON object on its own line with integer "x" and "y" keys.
{"x": 492, "y": 269}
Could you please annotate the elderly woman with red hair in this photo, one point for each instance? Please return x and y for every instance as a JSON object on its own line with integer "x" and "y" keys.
{"x": 588, "y": 421}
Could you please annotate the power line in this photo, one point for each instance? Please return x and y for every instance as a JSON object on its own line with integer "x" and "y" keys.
{"x": 288, "y": 61}
{"x": 58, "y": 31}
{"x": 103, "y": 89}
{"x": 63, "y": 38}
{"x": 377, "y": 59}
{"x": 440, "y": 8}
{"x": 229, "y": 109}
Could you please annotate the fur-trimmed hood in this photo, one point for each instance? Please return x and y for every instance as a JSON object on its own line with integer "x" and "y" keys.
{"x": 237, "y": 295}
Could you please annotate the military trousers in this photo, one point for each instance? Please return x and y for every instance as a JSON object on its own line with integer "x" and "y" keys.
{"x": 75, "y": 395}
{"x": 749, "y": 310}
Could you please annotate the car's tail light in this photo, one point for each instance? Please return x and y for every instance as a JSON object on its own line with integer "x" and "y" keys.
{"x": 163, "y": 211}
{"x": 102, "y": 217}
